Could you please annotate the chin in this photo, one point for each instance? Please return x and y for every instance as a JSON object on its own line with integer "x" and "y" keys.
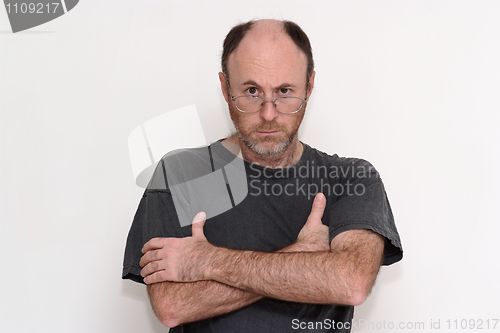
{"x": 269, "y": 148}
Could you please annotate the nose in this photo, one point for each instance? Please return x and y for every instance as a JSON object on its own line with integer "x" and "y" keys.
{"x": 268, "y": 111}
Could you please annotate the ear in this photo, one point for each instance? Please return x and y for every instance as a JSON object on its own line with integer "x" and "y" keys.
{"x": 223, "y": 86}
{"x": 311, "y": 84}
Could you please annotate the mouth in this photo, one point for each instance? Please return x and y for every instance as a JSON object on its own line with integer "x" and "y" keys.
{"x": 267, "y": 132}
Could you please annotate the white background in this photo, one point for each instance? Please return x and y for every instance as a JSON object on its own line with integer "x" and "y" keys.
{"x": 411, "y": 86}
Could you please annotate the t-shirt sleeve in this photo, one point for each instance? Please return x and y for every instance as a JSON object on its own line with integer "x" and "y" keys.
{"x": 362, "y": 203}
{"x": 155, "y": 217}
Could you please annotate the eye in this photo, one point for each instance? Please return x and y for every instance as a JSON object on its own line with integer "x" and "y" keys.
{"x": 285, "y": 91}
{"x": 252, "y": 91}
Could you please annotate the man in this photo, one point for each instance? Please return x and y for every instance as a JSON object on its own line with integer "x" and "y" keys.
{"x": 292, "y": 260}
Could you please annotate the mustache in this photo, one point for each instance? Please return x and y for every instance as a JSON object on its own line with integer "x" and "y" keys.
{"x": 268, "y": 127}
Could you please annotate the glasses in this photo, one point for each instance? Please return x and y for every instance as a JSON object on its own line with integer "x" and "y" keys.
{"x": 253, "y": 104}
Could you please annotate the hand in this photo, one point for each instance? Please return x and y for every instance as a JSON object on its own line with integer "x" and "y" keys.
{"x": 313, "y": 236}
{"x": 176, "y": 259}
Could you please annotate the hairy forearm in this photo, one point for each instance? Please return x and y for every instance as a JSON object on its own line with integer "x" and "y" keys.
{"x": 177, "y": 303}
{"x": 309, "y": 277}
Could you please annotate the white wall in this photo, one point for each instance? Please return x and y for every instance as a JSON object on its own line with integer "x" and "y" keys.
{"x": 411, "y": 86}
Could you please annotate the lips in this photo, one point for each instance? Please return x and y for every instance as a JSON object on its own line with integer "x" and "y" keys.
{"x": 264, "y": 133}
{"x": 268, "y": 130}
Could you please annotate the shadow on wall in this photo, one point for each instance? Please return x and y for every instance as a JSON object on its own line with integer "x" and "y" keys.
{"x": 388, "y": 277}
{"x": 138, "y": 292}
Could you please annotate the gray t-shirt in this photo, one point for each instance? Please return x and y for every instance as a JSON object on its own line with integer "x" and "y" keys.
{"x": 267, "y": 219}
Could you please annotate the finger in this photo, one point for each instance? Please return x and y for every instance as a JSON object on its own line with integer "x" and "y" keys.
{"x": 318, "y": 207}
{"x": 156, "y": 277}
{"x": 152, "y": 244}
{"x": 198, "y": 224}
{"x": 152, "y": 267}
{"x": 148, "y": 257}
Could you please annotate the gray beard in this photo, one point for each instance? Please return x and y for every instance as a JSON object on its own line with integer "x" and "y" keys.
{"x": 278, "y": 149}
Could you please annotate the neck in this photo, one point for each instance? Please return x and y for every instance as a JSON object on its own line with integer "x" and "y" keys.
{"x": 287, "y": 158}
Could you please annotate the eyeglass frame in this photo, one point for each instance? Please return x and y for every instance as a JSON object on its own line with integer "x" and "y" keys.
{"x": 233, "y": 99}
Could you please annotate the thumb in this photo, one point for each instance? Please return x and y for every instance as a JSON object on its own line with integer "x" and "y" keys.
{"x": 318, "y": 207}
{"x": 198, "y": 224}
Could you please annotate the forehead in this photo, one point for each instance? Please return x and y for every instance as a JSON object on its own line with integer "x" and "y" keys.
{"x": 269, "y": 57}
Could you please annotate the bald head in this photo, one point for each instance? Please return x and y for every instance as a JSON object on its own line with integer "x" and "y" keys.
{"x": 268, "y": 49}
{"x": 265, "y": 37}
{"x": 266, "y": 29}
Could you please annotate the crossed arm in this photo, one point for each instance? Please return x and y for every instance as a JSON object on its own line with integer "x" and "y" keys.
{"x": 175, "y": 303}
{"x": 224, "y": 280}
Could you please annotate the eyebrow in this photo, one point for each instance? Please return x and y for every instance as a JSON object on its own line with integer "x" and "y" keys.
{"x": 253, "y": 83}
